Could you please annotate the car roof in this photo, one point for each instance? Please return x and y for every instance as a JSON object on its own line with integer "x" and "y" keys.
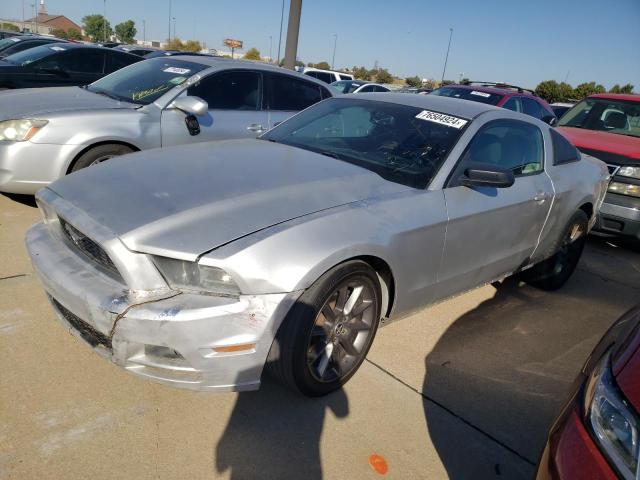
{"x": 313, "y": 69}
{"x": 450, "y": 106}
{"x": 494, "y": 90}
{"x": 225, "y": 62}
{"x": 22, "y": 38}
{"x": 617, "y": 96}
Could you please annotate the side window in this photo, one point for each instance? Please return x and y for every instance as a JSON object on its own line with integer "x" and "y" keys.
{"x": 513, "y": 103}
{"x": 368, "y": 88}
{"x": 510, "y": 144}
{"x": 563, "y": 150}
{"x": 289, "y": 93}
{"x": 20, "y": 46}
{"x": 380, "y": 89}
{"x": 234, "y": 90}
{"x": 77, "y": 61}
{"x": 312, "y": 74}
{"x": 345, "y": 77}
{"x": 117, "y": 60}
{"x": 533, "y": 108}
{"x": 325, "y": 77}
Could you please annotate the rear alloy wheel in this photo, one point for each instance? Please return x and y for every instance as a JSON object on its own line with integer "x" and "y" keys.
{"x": 554, "y": 272}
{"x": 99, "y": 154}
{"x": 326, "y": 336}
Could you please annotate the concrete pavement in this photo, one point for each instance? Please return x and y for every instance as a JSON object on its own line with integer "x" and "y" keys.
{"x": 465, "y": 389}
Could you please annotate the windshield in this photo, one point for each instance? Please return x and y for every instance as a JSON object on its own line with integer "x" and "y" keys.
{"x": 614, "y": 116}
{"x": 146, "y": 81}
{"x": 34, "y": 54}
{"x": 402, "y": 144}
{"x": 346, "y": 86}
{"x": 468, "y": 94}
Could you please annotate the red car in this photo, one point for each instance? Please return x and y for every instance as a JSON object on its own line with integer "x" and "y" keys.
{"x": 607, "y": 126}
{"x": 597, "y": 434}
{"x": 502, "y": 95}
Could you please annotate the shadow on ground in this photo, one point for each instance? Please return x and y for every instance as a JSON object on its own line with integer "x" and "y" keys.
{"x": 28, "y": 200}
{"x": 506, "y": 366}
{"x": 275, "y": 434}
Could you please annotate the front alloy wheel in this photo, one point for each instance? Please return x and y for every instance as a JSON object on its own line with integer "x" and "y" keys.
{"x": 328, "y": 332}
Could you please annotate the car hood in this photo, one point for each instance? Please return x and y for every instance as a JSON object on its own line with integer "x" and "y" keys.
{"x": 184, "y": 201}
{"x": 599, "y": 141}
{"x": 34, "y": 102}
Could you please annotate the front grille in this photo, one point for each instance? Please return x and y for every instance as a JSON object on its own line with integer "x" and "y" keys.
{"x": 88, "y": 333}
{"x": 88, "y": 246}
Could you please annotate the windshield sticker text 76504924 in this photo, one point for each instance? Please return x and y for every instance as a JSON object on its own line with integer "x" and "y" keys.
{"x": 442, "y": 119}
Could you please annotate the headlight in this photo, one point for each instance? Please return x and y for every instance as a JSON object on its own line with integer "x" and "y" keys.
{"x": 613, "y": 421}
{"x": 20, "y": 130}
{"x": 633, "y": 172}
{"x": 190, "y": 276}
{"x": 625, "y": 189}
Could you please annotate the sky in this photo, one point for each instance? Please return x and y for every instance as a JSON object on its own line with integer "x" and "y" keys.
{"x": 519, "y": 41}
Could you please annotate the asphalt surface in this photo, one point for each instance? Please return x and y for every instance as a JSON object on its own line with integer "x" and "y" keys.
{"x": 465, "y": 389}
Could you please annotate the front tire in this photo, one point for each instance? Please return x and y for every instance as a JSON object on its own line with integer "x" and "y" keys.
{"x": 553, "y": 273}
{"x": 326, "y": 336}
{"x": 99, "y": 154}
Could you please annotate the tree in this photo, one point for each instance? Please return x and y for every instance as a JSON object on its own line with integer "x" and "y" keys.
{"x": 585, "y": 89}
{"x": 188, "y": 46}
{"x": 95, "y": 26}
{"x": 192, "y": 46}
{"x": 252, "y": 54}
{"x": 74, "y": 34}
{"x": 361, "y": 73}
{"x": 323, "y": 66}
{"x": 628, "y": 88}
{"x": 383, "y": 76}
{"x": 413, "y": 81}
{"x": 59, "y": 33}
{"x": 126, "y": 31}
{"x": 9, "y": 27}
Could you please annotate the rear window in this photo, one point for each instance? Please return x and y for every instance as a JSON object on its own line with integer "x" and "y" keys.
{"x": 469, "y": 94}
{"x": 563, "y": 150}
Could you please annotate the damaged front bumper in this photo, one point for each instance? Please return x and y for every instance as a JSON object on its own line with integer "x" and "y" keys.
{"x": 198, "y": 342}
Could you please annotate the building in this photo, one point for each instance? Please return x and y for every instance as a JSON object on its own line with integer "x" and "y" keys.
{"x": 44, "y": 23}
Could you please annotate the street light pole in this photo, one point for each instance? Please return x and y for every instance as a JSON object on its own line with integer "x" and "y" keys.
{"x": 144, "y": 31}
{"x": 280, "y": 37}
{"x": 333, "y": 59}
{"x": 447, "y": 57}
{"x": 174, "y": 28}
{"x": 169, "y": 20}
{"x": 293, "y": 30}
{"x": 270, "y": 48}
{"x": 104, "y": 22}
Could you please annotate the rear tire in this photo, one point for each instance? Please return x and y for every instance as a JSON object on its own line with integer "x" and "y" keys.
{"x": 553, "y": 273}
{"x": 99, "y": 154}
{"x": 326, "y": 336}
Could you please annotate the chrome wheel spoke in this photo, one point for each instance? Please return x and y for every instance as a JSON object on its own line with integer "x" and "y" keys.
{"x": 361, "y": 308}
{"x": 329, "y": 314}
{"x": 343, "y": 293}
{"x": 359, "y": 325}
{"x": 324, "y": 360}
{"x": 349, "y": 348}
{"x": 353, "y": 298}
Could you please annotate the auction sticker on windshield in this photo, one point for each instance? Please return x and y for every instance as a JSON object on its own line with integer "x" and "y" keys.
{"x": 179, "y": 71}
{"x": 480, "y": 94}
{"x": 442, "y": 119}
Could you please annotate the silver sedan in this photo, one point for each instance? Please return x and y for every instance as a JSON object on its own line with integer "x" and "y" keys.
{"x": 50, "y": 132}
{"x": 290, "y": 250}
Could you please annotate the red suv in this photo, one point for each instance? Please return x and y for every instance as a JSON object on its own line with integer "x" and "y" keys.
{"x": 501, "y": 95}
{"x": 607, "y": 126}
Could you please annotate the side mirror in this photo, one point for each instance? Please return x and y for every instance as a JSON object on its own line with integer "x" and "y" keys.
{"x": 550, "y": 119}
{"x": 191, "y": 105}
{"x": 484, "y": 175}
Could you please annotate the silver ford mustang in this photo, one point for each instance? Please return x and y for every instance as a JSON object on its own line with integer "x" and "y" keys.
{"x": 197, "y": 266}
{"x": 46, "y": 133}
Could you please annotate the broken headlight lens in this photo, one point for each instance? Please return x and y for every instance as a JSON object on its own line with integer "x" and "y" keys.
{"x": 190, "y": 276}
{"x": 614, "y": 423}
{"x": 20, "y": 130}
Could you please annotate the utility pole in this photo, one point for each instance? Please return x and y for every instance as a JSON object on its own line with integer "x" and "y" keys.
{"x": 144, "y": 31}
{"x": 280, "y": 37}
{"x": 447, "y": 57}
{"x": 174, "y": 28}
{"x": 293, "y": 30}
{"x": 169, "y": 20}
{"x": 333, "y": 59}
{"x": 104, "y": 22}
{"x": 270, "y": 48}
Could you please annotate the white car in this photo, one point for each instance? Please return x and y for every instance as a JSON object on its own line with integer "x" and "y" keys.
{"x": 358, "y": 86}
{"x": 327, "y": 76}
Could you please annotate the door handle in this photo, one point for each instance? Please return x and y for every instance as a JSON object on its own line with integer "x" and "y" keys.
{"x": 255, "y": 127}
{"x": 540, "y": 198}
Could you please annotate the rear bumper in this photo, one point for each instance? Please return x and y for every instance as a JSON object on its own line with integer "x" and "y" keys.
{"x": 166, "y": 336}
{"x": 26, "y": 167}
{"x": 620, "y": 215}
